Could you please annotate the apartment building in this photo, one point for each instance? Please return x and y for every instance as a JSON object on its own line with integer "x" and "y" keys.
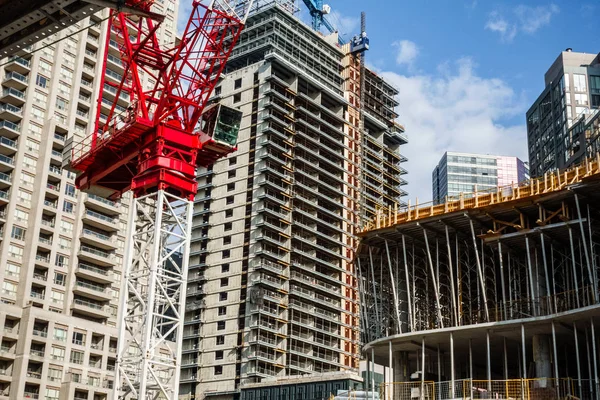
{"x": 468, "y": 173}
{"x": 572, "y": 91}
{"x": 61, "y": 250}
{"x": 272, "y": 291}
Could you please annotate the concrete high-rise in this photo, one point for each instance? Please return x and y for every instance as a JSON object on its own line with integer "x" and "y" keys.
{"x": 467, "y": 173}
{"x": 62, "y": 250}
{"x": 572, "y": 89}
{"x": 272, "y": 291}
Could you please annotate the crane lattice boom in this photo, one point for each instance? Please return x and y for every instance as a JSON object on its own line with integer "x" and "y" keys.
{"x": 157, "y": 142}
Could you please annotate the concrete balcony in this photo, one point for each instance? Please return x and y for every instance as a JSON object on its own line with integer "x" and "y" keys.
{"x": 10, "y": 129}
{"x": 95, "y": 292}
{"x": 18, "y": 64}
{"x": 98, "y": 239}
{"x": 101, "y": 221}
{"x": 90, "y": 309}
{"x": 93, "y": 273}
{"x": 15, "y": 80}
{"x": 11, "y": 113}
{"x": 96, "y": 256}
{"x": 12, "y": 96}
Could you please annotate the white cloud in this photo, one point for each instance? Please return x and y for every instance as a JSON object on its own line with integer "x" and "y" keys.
{"x": 497, "y": 23}
{"x": 527, "y": 19}
{"x": 407, "y": 52}
{"x": 533, "y": 18}
{"x": 458, "y": 111}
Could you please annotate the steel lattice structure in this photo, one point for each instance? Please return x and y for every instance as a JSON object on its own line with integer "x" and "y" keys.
{"x": 155, "y": 276}
{"x": 153, "y": 148}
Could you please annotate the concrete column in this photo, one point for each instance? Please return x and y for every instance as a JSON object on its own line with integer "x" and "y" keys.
{"x": 541, "y": 357}
{"x": 401, "y": 371}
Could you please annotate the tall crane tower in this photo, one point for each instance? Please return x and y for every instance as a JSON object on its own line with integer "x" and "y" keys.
{"x": 152, "y": 148}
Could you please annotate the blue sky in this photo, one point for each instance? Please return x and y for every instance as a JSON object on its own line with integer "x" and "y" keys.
{"x": 467, "y": 70}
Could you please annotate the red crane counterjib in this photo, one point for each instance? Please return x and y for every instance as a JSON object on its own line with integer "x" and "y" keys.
{"x": 154, "y": 143}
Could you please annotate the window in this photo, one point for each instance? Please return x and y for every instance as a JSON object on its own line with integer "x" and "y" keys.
{"x": 15, "y": 251}
{"x": 60, "y": 279}
{"x": 218, "y": 90}
{"x": 38, "y": 113}
{"x": 76, "y": 357}
{"x": 237, "y": 84}
{"x": 54, "y": 375}
{"x": 40, "y": 98}
{"x": 78, "y": 338}
{"x": 70, "y": 190}
{"x": 29, "y": 162}
{"x": 18, "y": 233}
{"x": 68, "y": 207}
{"x": 9, "y": 288}
{"x": 32, "y": 146}
{"x": 237, "y": 97}
{"x": 224, "y": 282}
{"x": 231, "y": 174}
{"x": 230, "y": 186}
{"x": 41, "y": 81}
{"x": 228, "y": 226}
{"x": 224, "y": 268}
{"x": 66, "y": 226}
{"x": 64, "y": 243}
{"x": 12, "y": 269}
{"x": 222, "y": 296}
{"x": 579, "y": 83}
{"x": 57, "y": 297}
{"x": 581, "y": 99}
{"x": 61, "y": 261}
{"x": 227, "y": 240}
{"x": 220, "y": 340}
{"x": 226, "y": 253}
{"x": 57, "y": 353}
{"x": 232, "y": 160}
{"x": 218, "y": 370}
{"x": 219, "y": 355}
{"x": 25, "y": 198}
{"x": 60, "y": 334}
{"x": 228, "y": 213}
{"x": 21, "y": 215}
{"x": 230, "y": 199}
{"x": 220, "y": 325}
{"x": 61, "y": 103}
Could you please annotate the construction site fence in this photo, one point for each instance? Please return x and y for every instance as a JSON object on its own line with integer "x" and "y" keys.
{"x": 467, "y": 389}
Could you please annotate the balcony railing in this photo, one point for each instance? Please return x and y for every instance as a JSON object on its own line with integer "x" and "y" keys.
{"x": 96, "y": 234}
{"x": 93, "y": 269}
{"x": 89, "y": 304}
{"x": 13, "y": 92}
{"x": 95, "y": 252}
{"x": 15, "y": 75}
{"x": 100, "y": 216}
{"x": 21, "y": 61}
{"x": 11, "y": 108}
{"x": 96, "y": 288}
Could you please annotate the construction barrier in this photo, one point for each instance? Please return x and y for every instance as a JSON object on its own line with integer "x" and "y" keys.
{"x": 511, "y": 389}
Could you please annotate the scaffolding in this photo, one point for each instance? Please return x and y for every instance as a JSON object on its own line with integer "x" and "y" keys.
{"x": 505, "y": 283}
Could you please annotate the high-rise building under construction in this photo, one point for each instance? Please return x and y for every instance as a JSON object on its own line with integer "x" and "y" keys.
{"x": 272, "y": 290}
{"x": 61, "y": 250}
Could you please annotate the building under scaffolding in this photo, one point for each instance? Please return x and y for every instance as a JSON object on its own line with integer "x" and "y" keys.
{"x": 495, "y": 295}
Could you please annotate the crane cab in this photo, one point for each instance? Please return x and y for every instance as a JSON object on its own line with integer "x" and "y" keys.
{"x": 219, "y": 129}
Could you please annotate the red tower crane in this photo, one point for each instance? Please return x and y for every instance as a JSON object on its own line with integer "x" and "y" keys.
{"x": 151, "y": 141}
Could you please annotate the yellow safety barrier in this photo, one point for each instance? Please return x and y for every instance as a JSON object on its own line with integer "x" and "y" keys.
{"x": 510, "y": 389}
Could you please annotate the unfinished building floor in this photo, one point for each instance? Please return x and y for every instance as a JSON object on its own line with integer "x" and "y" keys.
{"x": 491, "y": 296}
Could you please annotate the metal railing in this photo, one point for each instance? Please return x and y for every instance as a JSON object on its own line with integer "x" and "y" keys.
{"x": 100, "y": 216}
{"x": 103, "y": 200}
{"x": 471, "y": 389}
{"x": 91, "y": 268}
